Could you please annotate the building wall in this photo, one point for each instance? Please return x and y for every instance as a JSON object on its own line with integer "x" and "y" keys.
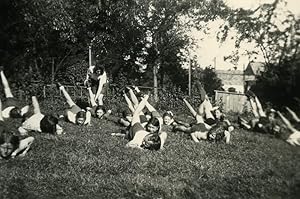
{"x": 234, "y": 78}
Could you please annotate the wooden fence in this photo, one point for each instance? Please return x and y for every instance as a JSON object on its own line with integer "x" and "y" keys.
{"x": 230, "y": 101}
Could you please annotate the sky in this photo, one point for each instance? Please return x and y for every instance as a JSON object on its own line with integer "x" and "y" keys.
{"x": 210, "y": 52}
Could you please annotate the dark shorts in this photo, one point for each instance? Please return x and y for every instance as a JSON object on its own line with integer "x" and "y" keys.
{"x": 143, "y": 119}
{"x": 198, "y": 127}
{"x": 9, "y": 102}
{"x": 210, "y": 121}
{"x": 104, "y": 88}
{"x": 94, "y": 88}
{"x": 263, "y": 125}
{"x": 93, "y": 111}
{"x": 133, "y": 129}
{"x": 219, "y": 133}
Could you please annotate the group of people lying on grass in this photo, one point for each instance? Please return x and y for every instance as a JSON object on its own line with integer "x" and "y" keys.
{"x": 142, "y": 125}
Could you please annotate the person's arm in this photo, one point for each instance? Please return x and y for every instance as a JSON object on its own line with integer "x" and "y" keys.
{"x": 163, "y": 137}
{"x": 24, "y": 146}
{"x": 102, "y": 81}
{"x": 286, "y": 122}
{"x": 35, "y": 104}
{"x": 88, "y": 118}
{"x": 294, "y": 115}
{"x": 194, "y": 137}
{"x": 24, "y": 110}
{"x": 154, "y": 113}
{"x": 227, "y": 137}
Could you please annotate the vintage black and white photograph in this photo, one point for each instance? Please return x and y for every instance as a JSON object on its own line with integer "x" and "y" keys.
{"x": 157, "y": 99}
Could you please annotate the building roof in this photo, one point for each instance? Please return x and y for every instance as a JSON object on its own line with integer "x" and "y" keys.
{"x": 231, "y": 78}
{"x": 254, "y": 68}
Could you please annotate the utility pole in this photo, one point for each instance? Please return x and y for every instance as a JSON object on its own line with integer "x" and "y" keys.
{"x": 190, "y": 77}
{"x": 90, "y": 55}
{"x": 155, "y": 82}
{"x": 215, "y": 63}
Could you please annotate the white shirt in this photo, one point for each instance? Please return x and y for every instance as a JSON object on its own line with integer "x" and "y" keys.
{"x": 6, "y": 111}
{"x": 138, "y": 139}
{"x": 34, "y": 122}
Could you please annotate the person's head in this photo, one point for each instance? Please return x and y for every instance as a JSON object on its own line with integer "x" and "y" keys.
{"x": 216, "y": 133}
{"x": 127, "y": 114}
{"x": 168, "y": 117}
{"x": 151, "y": 142}
{"x": 100, "y": 111}
{"x": 80, "y": 117}
{"x": 15, "y": 113}
{"x": 99, "y": 70}
{"x": 218, "y": 114}
{"x": 153, "y": 125}
{"x": 276, "y": 129}
{"x": 49, "y": 124}
{"x": 271, "y": 115}
{"x": 8, "y": 144}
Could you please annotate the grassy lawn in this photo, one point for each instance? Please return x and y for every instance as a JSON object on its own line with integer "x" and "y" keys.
{"x": 88, "y": 162}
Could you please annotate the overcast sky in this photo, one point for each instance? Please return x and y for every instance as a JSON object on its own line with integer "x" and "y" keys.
{"x": 209, "y": 48}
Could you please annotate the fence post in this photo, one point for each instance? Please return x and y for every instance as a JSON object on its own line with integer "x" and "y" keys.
{"x": 44, "y": 91}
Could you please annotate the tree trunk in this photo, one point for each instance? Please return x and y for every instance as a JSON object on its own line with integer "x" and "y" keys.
{"x": 155, "y": 82}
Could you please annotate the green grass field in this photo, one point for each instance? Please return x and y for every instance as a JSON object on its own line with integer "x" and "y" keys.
{"x": 87, "y": 162}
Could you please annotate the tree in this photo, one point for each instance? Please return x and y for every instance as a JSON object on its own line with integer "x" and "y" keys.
{"x": 208, "y": 78}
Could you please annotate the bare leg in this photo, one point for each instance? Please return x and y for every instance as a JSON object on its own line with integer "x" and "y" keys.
{"x": 134, "y": 99}
{"x": 36, "y": 106}
{"x": 129, "y": 103}
{"x": 207, "y": 109}
{"x": 100, "y": 99}
{"x": 192, "y": 110}
{"x": 294, "y": 115}
{"x": 163, "y": 136}
{"x": 67, "y": 96}
{"x": 254, "y": 108}
{"x": 259, "y": 108}
{"x": 5, "y": 84}
{"x": 92, "y": 96}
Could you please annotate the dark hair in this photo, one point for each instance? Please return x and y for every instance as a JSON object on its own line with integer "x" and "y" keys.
{"x": 81, "y": 114}
{"x": 168, "y": 113}
{"x": 222, "y": 115}
{"x": 8, "y": 137}
{"x": 154, "y": 121}
{"x": 154, "y": 143}
{"x": 218, "y": 131}
{"x": 126, "y": 112}
{"x": 100, "y": 107}
{"x": 100, "y": 68}
{"x": 48, "y": 124}
{"x": 15, "y": 113}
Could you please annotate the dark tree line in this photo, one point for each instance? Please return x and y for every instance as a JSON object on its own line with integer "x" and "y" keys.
{"x": 47, "y": 40}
